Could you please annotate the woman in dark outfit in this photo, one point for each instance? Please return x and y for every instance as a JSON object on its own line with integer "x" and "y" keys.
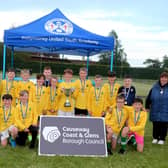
{"x": 157, "y": 103}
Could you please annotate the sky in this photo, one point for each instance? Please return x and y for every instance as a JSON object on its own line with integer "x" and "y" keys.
{"x": 142, "y": 26}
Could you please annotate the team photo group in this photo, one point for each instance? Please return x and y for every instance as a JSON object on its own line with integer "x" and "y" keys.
{"x": 23, "y": 102}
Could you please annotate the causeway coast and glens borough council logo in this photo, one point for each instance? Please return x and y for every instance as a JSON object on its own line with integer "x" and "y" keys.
{"x": 59, "y": 26}
{"x": 51, "y": 134}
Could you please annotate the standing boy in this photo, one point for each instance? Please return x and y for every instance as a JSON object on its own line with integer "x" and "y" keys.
{"x": 83, "y": 85}
{"x": 9, "y": 86}
{"x": 128, "y": 90}
{"x": 67, "y": 93}
{"x": 26, "y": 84}
{"x": 47, "y": 73}
{"x": 52, "y": 97}
{"x": 111, "y": 89}
{"x": 96, "y": 98}
{"x": 39, "y": 95}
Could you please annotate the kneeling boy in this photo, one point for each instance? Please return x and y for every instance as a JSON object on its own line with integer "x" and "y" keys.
{"x": 26, "y": 119}
{"x": 7, "y": 121}
{"x": 135, "y": 129}
{"x": 115, "y": 120}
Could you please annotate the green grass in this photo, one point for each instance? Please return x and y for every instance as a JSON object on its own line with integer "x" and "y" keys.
{"x": 154, "y": 156}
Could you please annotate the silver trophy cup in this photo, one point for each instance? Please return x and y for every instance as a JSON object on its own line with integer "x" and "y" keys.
{"x": 67, "y": 93}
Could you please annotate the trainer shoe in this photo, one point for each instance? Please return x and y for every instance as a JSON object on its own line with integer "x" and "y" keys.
{"x": 38, "y": 137}
{"x": 31, "y": 146}
{"x": 129, "y": 140}
{"x": 121, "y": 151}
{"x": 12, "y": 142}
{"x": 161, "y": 142}
{"x": 29, "y": 137}
{"x": 154, "y": 141}
{"x": 109, "y": 152}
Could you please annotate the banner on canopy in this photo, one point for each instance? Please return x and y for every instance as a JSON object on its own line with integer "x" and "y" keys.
{"x": 60, "y": 39}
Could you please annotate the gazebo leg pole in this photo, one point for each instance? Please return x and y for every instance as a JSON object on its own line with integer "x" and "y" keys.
{"x": 111, "y": 64}
{"x": 12, "y": 57}
{"x": 87, "y": 66}
{"x": 4, "y": 61}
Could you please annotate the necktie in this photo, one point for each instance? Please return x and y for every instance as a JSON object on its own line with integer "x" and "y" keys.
{"x": 47, "y": 83}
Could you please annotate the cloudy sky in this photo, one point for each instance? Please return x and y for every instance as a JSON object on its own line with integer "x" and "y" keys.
{"x": 142, "y": 26}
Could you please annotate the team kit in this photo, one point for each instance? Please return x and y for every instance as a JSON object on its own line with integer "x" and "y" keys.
{"x": 23, "y": 102}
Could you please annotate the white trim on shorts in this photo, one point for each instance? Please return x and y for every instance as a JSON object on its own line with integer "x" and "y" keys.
{"x": 65, "y": 113}
{"x": 115, "y": 136}
{"x": 5, "y": 133}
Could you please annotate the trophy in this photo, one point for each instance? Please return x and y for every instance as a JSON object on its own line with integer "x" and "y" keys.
{"x": 67, "y": 93}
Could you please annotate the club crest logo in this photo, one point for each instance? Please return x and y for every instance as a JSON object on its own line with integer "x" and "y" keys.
{"x": 51, "y": 134}
{"x": 59, "y": 26}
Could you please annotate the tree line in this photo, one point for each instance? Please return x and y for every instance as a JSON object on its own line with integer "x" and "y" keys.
{"x": 156, "y": 63}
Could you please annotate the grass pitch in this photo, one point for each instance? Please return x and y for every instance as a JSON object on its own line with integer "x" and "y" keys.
{"x": 154, "y": 156}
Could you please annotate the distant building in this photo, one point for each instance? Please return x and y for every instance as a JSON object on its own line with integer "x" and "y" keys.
{"x": 56, "y": 58}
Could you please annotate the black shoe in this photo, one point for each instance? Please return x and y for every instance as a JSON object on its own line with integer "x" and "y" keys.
{"x": 122, "y": 151}
{"x": 129, "y": 141}
{"x": 32, "y": 146}
{"x": 109, "y": 152}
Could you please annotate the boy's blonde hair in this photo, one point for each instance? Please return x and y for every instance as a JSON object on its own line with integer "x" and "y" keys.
{"x": 47, "y": 68}
{"x": 98, "y": 76}
{"x": 23, "y": 71}
{"x": 54, "y": 77}
{"x": 23, "y": 92}
{"x": 68, "y": 71}
{"x": 83, "y": 69}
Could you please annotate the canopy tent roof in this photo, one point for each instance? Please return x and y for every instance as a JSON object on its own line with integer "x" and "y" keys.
{"x": 55, "y": 33}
